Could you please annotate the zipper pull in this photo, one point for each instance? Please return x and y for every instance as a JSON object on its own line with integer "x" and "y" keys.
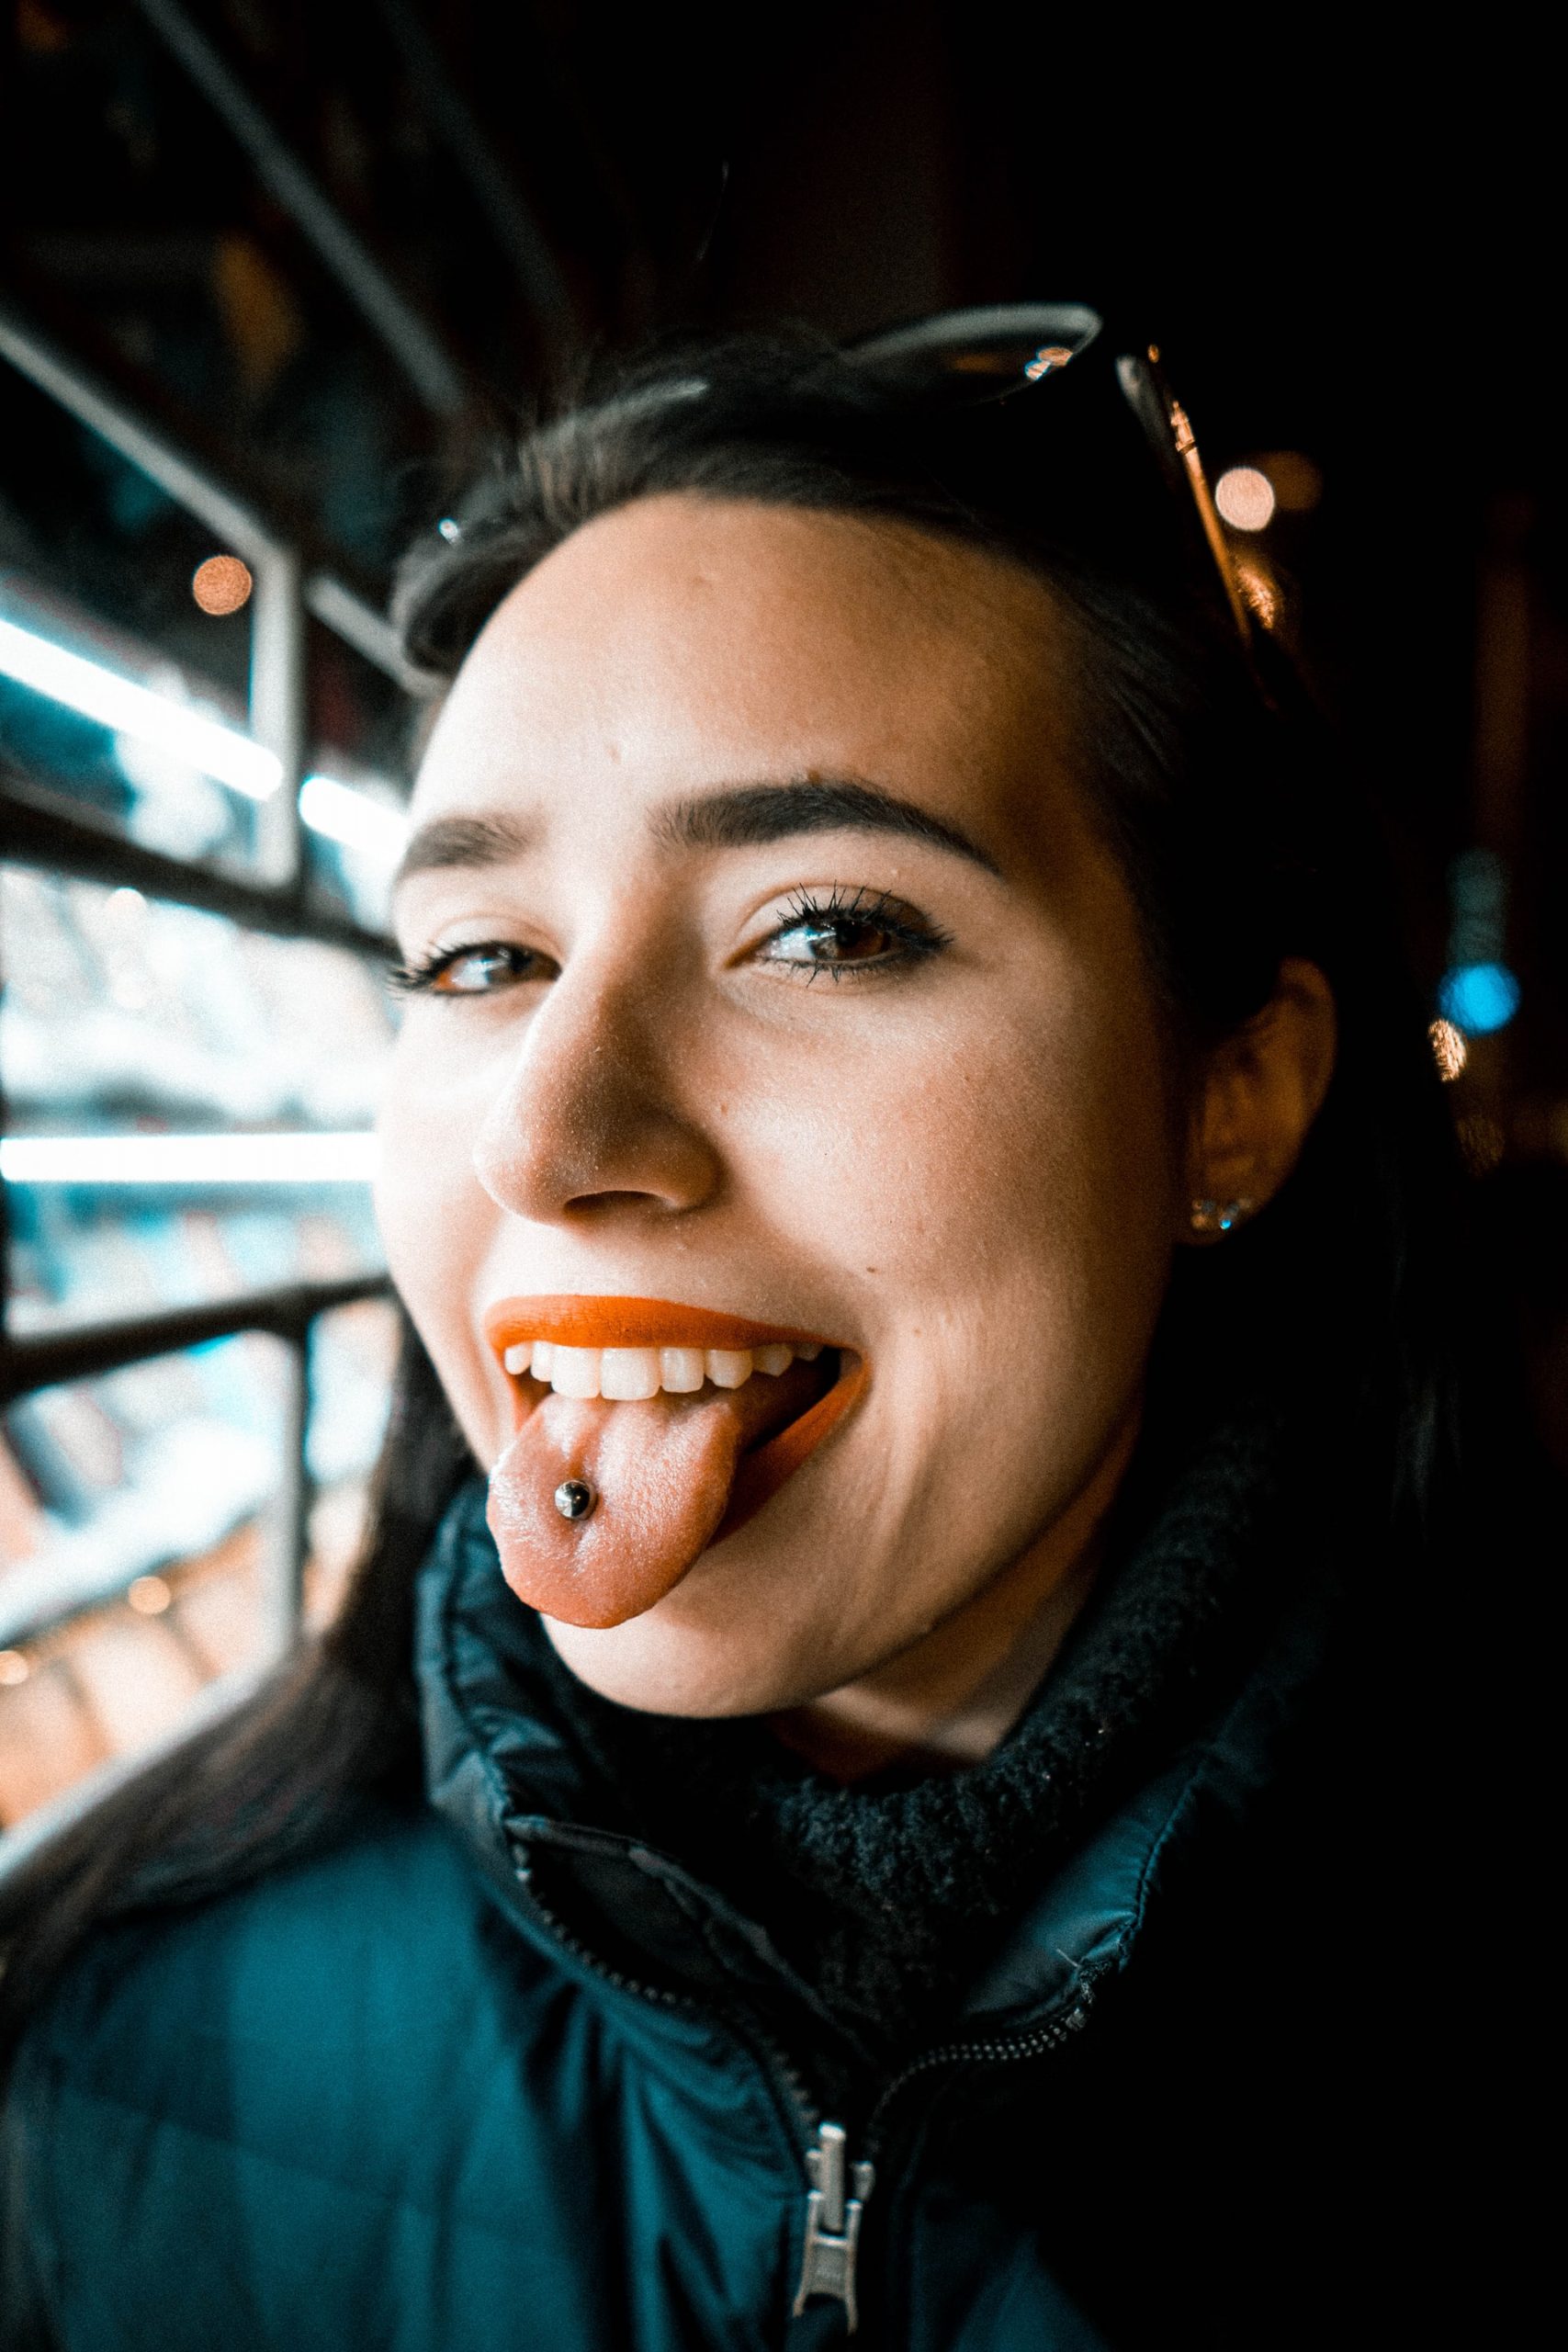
{"x": 832, "y": 2224}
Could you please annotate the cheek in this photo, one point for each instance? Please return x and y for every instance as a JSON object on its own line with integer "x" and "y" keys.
{"x": 970, "y": 1164}
{"x": 1000, "y": 1193}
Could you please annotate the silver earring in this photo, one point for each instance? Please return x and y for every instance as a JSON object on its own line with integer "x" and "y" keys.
{"x": 575, "y": 1498}
{"x": 1220, "y": 1216}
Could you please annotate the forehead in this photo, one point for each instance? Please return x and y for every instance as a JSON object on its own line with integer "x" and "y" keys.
{"x": 683, "y": 639}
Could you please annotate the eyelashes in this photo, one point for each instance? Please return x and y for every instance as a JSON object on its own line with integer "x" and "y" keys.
{"x": 845, "y": 933}
{"x": 824, "y": 933}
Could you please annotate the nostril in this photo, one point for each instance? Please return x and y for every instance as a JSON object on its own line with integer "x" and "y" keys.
{"x": 601, "y": 1204}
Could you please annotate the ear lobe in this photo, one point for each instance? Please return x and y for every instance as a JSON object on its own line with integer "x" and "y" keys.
{"x": 1258, "y": 1094}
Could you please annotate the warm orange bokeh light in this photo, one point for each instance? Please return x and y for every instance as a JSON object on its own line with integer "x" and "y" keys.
{"x": 1449, "y": 1050}
{"x": 222, "y": 584}
{"x": 1245, "y": 498}
{"x": 1258, "y": 588}
{"x": 1296, "y": 483}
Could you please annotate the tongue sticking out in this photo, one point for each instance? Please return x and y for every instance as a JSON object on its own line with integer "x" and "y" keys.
{"x": 664, "y": 1472}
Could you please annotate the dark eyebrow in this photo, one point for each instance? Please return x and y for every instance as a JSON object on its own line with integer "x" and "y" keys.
{"x": 746, "y": 815}
{"x": 465, "y": 840}
{"x": 742, "y": 816}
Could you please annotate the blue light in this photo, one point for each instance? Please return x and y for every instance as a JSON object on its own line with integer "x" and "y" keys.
{"x": 1479, "y": 997}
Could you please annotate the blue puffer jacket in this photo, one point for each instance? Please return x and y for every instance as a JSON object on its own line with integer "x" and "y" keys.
{"x": 389, "y": 2100}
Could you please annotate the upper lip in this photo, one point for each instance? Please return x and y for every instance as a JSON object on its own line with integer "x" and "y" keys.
{"x": 577, "y": 1321}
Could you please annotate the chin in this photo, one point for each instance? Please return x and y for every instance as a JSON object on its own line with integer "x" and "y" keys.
{"x": 669, "y": 1662}
{"x": 658, "y": 1674}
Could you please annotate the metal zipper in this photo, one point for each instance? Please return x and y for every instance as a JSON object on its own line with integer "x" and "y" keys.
{"x": 832, "y": 2218}
{"x": 833, "y": 2214}
{"x": 995, "y": 2052}
{"x": 837, "y": 2191}
{"x": 832, "y": 2222}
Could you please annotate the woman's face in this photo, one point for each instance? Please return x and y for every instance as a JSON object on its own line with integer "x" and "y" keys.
{"x": 780, "y": 971}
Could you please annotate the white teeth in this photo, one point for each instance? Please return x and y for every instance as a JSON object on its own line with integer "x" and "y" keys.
{"x": 629, "y": 1373}
{"x": 808, "y": 1351}
{"x": 574, "y": 1371}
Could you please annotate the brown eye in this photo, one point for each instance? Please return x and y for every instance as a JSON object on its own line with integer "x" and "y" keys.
{"x": 473, "y": 971}
{"x": 853, "y": 931}
{"x": 842, "y": 940}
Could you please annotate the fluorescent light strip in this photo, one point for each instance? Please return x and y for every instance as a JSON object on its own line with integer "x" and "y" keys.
{"x": 353, "y": 818}
{"x": 333, "y": 810}
{"x": 112, "y": 701}
{"x": 190, "y": 1160}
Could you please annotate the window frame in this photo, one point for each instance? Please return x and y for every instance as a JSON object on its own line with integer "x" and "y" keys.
{"x": 47, "y": 833}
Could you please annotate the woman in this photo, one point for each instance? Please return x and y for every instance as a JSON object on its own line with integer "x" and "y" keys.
{"x": 924, "y": 1215}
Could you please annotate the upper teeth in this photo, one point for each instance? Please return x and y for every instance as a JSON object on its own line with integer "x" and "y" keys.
{"x": 628, "y": 1374}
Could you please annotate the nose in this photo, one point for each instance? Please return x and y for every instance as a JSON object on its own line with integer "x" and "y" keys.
{"x": 586, "y": 1122}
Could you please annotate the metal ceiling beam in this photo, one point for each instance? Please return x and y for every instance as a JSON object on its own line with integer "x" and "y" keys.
{"x": 477, "y": 157}
{"x": 232, "y": 521}
{"x": 409, "y": 336}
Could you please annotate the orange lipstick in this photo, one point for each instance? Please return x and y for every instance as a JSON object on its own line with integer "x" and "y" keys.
{"x": 667, "y": 1478}
{"x": 583, "y": 1322}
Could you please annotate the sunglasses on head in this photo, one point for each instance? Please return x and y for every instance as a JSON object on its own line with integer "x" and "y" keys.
{"x": 1040, "y": 404}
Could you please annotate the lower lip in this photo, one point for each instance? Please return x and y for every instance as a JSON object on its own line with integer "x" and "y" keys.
{"x": 588, "y": 1322}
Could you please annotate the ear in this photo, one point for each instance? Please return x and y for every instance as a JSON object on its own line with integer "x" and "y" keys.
{"x": 1259, "y": 1092}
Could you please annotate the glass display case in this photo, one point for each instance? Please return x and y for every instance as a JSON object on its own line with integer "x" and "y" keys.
{"x": 145, "y": 1532}
{"x": 125, "y": 1020}
{"x": 201, "y": 789}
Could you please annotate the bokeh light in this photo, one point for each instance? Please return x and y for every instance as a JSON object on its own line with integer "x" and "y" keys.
{"x": 1246, "y": 498}
{"x": 1479, "y": 997}
{"x": 1449, "y": 1049}
{"x": 149, "y": 1596}
{"x": 222, "y": 584}
{"x": 1296, "y": 483}
{"x": 1259, "y": 590}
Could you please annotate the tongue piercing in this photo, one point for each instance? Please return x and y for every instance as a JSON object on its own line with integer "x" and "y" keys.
{"x": 575, "y": 1498}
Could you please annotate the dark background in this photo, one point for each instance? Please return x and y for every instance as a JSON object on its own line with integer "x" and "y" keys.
{"x": 1346, "y": 240}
